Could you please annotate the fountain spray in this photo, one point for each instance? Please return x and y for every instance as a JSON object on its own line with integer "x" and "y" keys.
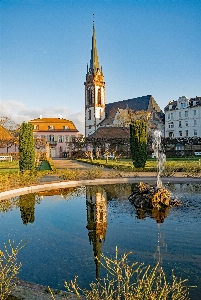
{"x": 160, "y": 156}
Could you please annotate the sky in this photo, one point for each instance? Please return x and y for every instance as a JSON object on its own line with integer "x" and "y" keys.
{"x": 145, "y": 48}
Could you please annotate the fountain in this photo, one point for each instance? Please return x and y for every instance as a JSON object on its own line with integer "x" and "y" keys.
{"x": 154, "y": 196}
{"x": 160, "y": 156}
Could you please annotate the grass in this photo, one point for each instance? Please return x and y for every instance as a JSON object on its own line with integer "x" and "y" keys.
{"x": 171, "y": 165}
{"x": 9, "y": 166}
{"x": 11, "y": 177}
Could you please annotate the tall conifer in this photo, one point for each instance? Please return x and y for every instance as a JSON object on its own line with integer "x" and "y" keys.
{"x": 138, "y": 143}
{"x": 26, "y": 147}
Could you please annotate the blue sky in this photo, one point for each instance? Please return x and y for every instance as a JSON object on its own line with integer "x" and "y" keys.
{"x": 145, "y": 48}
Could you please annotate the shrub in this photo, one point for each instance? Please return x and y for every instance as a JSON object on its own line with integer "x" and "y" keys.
{"x": 138, "y": 143}
{"x": 94, "y": 172}
{"x": 18, "y": 179}
{"x": 52, "y": 166}
{"x": 131, "y": 282}
{"x": 9, "y": 268}
{"x": 70, "y": 174}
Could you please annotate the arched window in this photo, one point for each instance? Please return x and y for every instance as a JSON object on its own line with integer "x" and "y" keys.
{"x": 89, "y": 114}
{"x": 99, "y": 96}
{"x": 89, "y": 96}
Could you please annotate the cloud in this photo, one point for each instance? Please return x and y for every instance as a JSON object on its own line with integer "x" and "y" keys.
{"x": 19, "y": 112}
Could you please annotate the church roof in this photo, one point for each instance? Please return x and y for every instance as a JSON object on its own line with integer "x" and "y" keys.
{"x": 94, "y": 63}
{"x": 112, "y": 132}
{"x": 136, "y": 104}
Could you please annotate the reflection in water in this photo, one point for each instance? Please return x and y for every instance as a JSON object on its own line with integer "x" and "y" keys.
{"x": 26, "y": 203}
{"x": 27, "y": 207}
{"x": 161, "y": 245}
{"x": 108, "y": 208}
{"x": 96, "y": 202}
{"x": 63, "y": 192}
{"x": 158, "y": 214}
{"x": 8, "y": 204}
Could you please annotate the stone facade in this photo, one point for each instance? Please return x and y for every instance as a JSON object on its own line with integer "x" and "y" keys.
{"x": 94, "y": 92}
{"x": 99, "y": 115}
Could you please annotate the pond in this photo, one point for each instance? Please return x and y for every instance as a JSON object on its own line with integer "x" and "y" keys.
{"x": 65, "y": 229}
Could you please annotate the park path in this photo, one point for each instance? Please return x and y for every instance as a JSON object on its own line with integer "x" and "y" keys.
{"x": 70, "y": 164}
{"x": 61, "y": 164}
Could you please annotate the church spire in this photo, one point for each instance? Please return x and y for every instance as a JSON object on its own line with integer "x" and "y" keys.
{"x": 94, "y": 63}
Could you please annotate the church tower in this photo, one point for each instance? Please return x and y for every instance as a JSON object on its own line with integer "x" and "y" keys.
{"x": 94, "y": 92}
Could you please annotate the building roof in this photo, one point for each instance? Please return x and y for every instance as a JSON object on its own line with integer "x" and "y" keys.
{"x": 58, "y": 124}
{"x": 173, "y": 104}
{"x": 136, "y": 104}
{"x": 112, "y": 132}
{"x": 94, "y": 63}
{"x": 4, "y": 134}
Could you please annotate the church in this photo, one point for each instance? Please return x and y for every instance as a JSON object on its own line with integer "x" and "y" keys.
{"x": 112, "y": 120}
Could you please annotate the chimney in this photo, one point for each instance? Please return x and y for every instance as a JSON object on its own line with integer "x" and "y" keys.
{"x": 60, "y": 117}
{"x": 40, "y": 116}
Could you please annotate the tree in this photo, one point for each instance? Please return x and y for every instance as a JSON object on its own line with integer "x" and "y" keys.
{"x": 26, "y": 147}
{"x": 138, "y": 143}
{"x": 9, "y": 132}
{"x": 9, "y": 124}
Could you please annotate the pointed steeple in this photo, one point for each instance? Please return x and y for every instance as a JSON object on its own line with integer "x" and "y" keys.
{"x": 94, "y": 63}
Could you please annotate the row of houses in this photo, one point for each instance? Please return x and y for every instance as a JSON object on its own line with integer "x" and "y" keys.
{"x": 181, "y": 119}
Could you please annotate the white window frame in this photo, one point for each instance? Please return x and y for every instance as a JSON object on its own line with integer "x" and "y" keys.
{"x": 60, "y": 139}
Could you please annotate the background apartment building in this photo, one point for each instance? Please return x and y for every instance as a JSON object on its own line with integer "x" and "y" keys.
{"x": 183, "y": 118}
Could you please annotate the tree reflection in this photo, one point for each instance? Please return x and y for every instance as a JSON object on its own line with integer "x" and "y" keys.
{"x": 8, "y": 204}
{"x": 26, "y": 203}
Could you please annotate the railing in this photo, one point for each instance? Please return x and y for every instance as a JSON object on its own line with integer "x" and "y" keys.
{"x": 52, "y": 143}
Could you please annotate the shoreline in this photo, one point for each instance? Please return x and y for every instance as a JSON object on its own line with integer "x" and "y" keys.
{"x": 51, "y": 185}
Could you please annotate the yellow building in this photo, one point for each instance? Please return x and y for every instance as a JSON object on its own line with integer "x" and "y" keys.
{"x": 58, "y": 132}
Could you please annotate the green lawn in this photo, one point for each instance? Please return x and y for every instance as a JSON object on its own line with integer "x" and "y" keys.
{"x": 179, "y": 165}
{"x": 8, "y": 166}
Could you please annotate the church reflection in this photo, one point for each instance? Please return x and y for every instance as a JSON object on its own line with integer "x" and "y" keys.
{"x": 97, "y": 198}
{"x": 96, "y": 203}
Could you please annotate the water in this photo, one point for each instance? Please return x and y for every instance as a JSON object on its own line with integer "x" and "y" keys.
{"x": 64, "y": 232}
{"x": 160, "y": 156}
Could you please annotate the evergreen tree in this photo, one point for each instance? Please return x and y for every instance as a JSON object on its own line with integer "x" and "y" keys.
{"x": 138, "y": 143}
{"x": 26, "y": 147}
